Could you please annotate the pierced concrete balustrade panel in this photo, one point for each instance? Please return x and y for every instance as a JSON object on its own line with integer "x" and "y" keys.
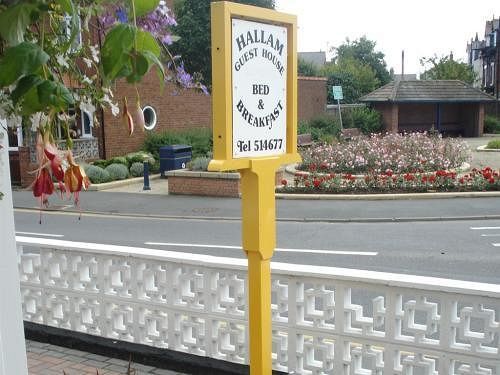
{"x": 325, "y": 320}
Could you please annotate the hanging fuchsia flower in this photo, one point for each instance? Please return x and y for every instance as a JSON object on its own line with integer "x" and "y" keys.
{"x": 128, "y": 121}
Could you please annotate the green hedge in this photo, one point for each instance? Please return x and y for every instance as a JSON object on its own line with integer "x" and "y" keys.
{"x": 199, "y": 139}
{"x": 491, "y": 125}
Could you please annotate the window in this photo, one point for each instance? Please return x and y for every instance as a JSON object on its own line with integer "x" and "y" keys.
{"x": 87, "y": 124}
{"x": 77, "y": 43}
{"x": 15, "y": 137}
{"x": 149, "y": 117}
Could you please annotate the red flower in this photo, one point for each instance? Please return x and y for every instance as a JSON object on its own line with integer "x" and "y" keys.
{"x": 389, "y": 172}
{"x": 284, "y": 182}
{"x": 312, "y": 167}
{"x": 409, "y": 177}
{"x": 316, "y": 183}
{"x": 424, "y": 179}
{"x": 461, "y": 180}
{"x": 432, "y": 179}
{"x": 307, "y": 183}
{"x": 43, "y": 184}
{"x": 491, "y": 180}
{"x": 323, "y": 166}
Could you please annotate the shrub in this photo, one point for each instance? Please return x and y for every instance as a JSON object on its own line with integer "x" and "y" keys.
{"x": 97, "y": 175}
{"x": 199, "y": 139}
{"x": 117, "y": 171}
{"x": 495, "y": 144}
{"x": 491, "y": 125}
{"x": 139, "y": 157}
{"x": 137, "y": 169}
{"x": 322, "y": 128}
{"x": 303, "y": 128}
{"x": 199, "y": 164}
{"x": 101, "y": 163}
{"x": 367, "y": 120}
{"x": 118, "y": 160}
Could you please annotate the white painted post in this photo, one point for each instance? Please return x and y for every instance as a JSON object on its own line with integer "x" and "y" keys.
{"x": 12, "y": 346}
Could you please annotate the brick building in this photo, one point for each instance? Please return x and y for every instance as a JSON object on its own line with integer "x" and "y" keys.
{"x": 450, "y": 107}
{"x": 484, "y": 57}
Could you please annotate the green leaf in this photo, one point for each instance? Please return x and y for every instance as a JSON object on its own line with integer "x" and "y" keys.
{"x": 147, "y": 42}
{"x": 116, "y": 49}
{"x": 153, "y": 59}
{"x": 66, "y": 5}
{"x": 140, "y": 67}
{"x": 143, "y": 7}
{"x": 31, "y": 104}
{"x": 14, "y": 21}
{"x": 55, "y": 95}
{"x": 23, "y": 59}
{"x": 24, "y": 85}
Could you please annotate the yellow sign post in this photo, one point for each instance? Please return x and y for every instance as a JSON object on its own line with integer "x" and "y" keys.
{"x": 254, "y": 96}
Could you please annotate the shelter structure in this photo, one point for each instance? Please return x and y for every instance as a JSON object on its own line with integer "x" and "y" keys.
{"x": 448, "y": 106}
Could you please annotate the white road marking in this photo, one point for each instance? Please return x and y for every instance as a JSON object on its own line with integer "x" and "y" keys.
{"x": 41, "y": 234}
{"x": 484, "y": 228}
{"x": 496, "y": 244}
{"x": 330, "y": 252}
{"x": 490, "y": 235}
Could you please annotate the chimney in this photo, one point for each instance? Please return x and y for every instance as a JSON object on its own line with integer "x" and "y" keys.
{"x": 403, "y": 65}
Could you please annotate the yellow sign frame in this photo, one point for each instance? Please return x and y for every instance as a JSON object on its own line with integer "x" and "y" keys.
{"x": 222, "y": 14}
{"x": 257, "y": 173}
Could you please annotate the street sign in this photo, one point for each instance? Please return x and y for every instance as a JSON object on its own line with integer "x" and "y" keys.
{"x": 337, "y": 93}
{"x": 254, "y": 106}
{"x": 259, "y": 62}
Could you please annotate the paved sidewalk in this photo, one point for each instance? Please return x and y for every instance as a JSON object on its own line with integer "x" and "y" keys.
{"x": 47, "y": 359}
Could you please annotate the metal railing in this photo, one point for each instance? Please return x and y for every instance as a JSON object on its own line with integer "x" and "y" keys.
{"x": 325, "y": 320}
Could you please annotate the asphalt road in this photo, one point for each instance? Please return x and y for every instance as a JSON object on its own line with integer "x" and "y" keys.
{"x": 458, "y": 248}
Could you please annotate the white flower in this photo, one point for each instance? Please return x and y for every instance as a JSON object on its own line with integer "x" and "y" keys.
{"x": 108, "y": 91}
{"x": 86, "y": 80}
{"x": 95, "y": 53}
{"x": 65, "y": 117}
{"x": 61, "y": 60}
{"x": 87, "y": 106}
{"x": 115, "y": 110}
{"x": 38, "y": 119}
{"x": 87, "y": 62}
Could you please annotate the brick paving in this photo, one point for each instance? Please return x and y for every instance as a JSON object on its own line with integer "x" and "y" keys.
{"x": 47, "y": 359}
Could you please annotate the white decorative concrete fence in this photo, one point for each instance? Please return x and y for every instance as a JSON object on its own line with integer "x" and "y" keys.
{"x": 326, "y": 320}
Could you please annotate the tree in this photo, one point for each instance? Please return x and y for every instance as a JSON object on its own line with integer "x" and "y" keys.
{"x": 193, "y": 28}
{"x": 46, "y": 71}
{"x": 356, "y": 79}
{"x": 307, "y": 68}
{"x": 363, "y": 50}
{"x": 446, "y": 67}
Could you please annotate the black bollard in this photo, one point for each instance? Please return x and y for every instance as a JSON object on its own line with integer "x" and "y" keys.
{"x": 146, "y": 176}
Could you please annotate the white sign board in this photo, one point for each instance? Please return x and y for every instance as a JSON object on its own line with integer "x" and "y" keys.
{"x": 259, "y": 64}
{"x": 337, "y": 93}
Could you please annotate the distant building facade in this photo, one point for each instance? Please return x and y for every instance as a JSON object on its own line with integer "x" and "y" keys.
{"x": 484, "y": 57}
{"x": 315, "y": 58}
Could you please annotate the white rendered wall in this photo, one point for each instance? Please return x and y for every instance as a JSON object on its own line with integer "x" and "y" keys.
{"x": 12, "y": 347}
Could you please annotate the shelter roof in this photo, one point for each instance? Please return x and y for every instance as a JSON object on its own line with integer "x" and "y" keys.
{"x": 427, "y": 91}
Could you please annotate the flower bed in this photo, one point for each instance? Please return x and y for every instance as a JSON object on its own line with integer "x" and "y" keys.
{"x": 442, "y": 181}
{"x": 396, "y": 153}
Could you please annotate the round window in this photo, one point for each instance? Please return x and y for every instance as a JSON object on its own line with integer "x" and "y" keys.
{"x": 149, "y": 117}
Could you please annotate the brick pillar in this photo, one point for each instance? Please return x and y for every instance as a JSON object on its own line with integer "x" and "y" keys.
{"x": 393, "y": 125}
{"x": 480, "y": 121}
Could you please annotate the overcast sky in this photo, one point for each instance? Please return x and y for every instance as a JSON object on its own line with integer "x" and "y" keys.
{"x": 421, "y": 28}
